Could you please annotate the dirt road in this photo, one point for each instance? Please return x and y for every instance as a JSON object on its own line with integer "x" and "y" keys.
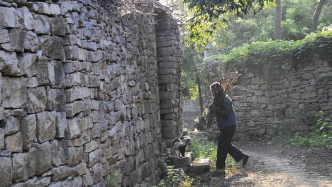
{"x": 274, "y": 165}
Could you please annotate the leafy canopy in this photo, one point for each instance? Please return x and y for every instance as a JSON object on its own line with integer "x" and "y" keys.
{"x": 205, "y": 14}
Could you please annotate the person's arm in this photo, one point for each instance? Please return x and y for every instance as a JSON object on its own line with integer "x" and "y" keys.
{"x": 226, "y": 109}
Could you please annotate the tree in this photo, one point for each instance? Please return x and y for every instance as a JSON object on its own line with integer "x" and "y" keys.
{"x": 206, "y": 14}
{"x": 277, "y": 25}
{"x": 317, "y": 14}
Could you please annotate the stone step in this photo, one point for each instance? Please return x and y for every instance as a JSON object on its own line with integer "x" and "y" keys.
{"x": 199, "y": 167}
{"x": 181, "y": 162}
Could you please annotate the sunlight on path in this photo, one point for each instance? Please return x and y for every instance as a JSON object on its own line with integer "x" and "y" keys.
{"x": 275, "y": 171}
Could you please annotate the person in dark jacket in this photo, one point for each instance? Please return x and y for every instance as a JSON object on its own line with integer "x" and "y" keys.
{"x": 222, "y": 106}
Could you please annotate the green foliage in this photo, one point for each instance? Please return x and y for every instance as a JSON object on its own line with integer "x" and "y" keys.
{"x": 206, "y": 149}
{"x": 206, "y": 15}
{"x": 275, "y": 52}
{"x": 174, "y": 179}
{"x": 112, "y": 180}
{"x": 321, "y": 138}
{"x": 297, "y": 21}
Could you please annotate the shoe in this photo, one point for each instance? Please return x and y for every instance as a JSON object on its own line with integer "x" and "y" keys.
{"x": 245, "y": 160}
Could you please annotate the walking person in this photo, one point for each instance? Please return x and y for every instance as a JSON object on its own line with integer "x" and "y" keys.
{"x": 222, "y": 106}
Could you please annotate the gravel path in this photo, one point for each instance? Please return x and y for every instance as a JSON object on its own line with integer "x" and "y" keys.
{"x": 274, "y": 165}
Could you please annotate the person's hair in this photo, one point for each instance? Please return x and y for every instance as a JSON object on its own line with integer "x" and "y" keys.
{"x": 218, "y": 86}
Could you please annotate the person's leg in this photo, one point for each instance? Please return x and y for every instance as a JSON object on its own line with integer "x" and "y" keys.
{"x": 236, "y": 153}
{"x": 224, "y": 143}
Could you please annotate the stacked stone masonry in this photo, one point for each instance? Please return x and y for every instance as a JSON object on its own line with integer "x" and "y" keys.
{"x": 289, "y": 96}
{"x": 79, "y": 97}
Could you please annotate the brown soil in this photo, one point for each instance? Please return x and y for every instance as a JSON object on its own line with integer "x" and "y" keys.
{"x": 272, "y": 164}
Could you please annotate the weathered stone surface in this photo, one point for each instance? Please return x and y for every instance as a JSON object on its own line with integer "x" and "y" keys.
{"x": 46, "y": 126}
{"x": 8, "y": 17}
{"x": 17, "y": 38}
{"x": 57, "y": 26}
{"x": 50, "y": 9}
{"x": 41, "y": 24}
{"x": 52, "y": 47}
{"x": 31, "y": 42}
{"x": 60, "y": 152}
{"x": 76, "y": 155}
{"x": 36, "y": 99}
{"x": 12, "y": 125}
{"x": 74, "y": 128}
{"x": 5, "y": 171}
{"x": 4, "y": 36}
{"x": 61, "y": 124}
{"x": 14, "y": 142}
{"x": 77, "y": 181}
{"x": 2, "y": 139}
{"x": 9, "y": 63}
{"x": 20, "y": 167}
{"x": 43, "y": 158}
{"x": 28, "y": 64}
{"x": 28, "y": 129}
{"x": 74, "y": 108}
{"x": 56, "y": 99}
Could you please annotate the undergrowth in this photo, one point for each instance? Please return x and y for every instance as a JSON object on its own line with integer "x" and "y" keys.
{"x": 203, "y": 148}
{"x": 320, "y": 138}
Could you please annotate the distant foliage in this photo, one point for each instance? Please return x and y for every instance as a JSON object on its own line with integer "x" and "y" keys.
{"x": 275, "y": 52}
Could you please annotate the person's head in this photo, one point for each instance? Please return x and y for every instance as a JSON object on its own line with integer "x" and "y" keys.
{"x": 216, "y": 88}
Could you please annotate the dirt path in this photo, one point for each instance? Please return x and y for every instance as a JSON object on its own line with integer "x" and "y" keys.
{"x": 275, "y": 165}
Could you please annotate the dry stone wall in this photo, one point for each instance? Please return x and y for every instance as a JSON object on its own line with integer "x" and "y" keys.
{"x": 79, "y": 93}
{"x": 268, "y": 98}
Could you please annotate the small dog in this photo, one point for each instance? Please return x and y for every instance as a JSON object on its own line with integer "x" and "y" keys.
{"x": 179, "y": 147}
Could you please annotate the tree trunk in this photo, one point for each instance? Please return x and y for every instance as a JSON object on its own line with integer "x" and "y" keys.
{"x": 317, "y": 14}
{"x": 198, "y": 80}
{"x": 277, "y": 23}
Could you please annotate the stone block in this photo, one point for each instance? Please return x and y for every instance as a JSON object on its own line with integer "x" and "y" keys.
{"x": 56, "y": 99}
{"x": 74, "y": 93}
{"x": 57, "y": 26}
{"x": 61, "y": 172}
{"x": 91, "y": 146}
{"x": 74, "y": 108}
{"x": 46, "y": 126}
{"x": 14, "y": 142}
{"x": 94, "y": 157}
{"x": 5, "y": 171}
{"x": 20, "y": 168}
{"x": 17, "y": 39}
{"x": 42, "y": 153}
{"x": 36, "y": 99}
{"x": 25, "y": 15}
{"x": 74, "y": 52}
{"x": 49, "y": 9}
{"x": 41, "y": 24}
{"x": 60, "y": 124}
{"x": 4, "y": 36}
{"x": 31, "y": 42}
{"x": 70, "y": 6}
{"x": 76, "y": 181}
{"x": 52, "y": 47}
{"x": 8, "y": 17}
{"x": 27, "y": 64}
{"x": 60, "y": 152}
{"x": 12, "y": 125}
{"x": 9, "y": 63}
{"x": 75, "y": 155}
{"x": 2, "y": 139}
{"x": 28, "y": 129}
{"x": 97, "y": 172}
{"x": 74, "y": 128}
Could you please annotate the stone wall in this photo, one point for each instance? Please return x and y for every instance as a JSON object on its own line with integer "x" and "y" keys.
{"x": 268, "y": 98}
{"x": 79, "y": 96}
{"x": 191, "y": 111}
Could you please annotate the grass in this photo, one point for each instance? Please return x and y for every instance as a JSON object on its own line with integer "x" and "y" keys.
{"x": 203, "y": 148}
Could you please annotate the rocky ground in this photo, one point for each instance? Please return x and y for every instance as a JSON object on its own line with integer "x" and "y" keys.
{"x": 273, "y": 164}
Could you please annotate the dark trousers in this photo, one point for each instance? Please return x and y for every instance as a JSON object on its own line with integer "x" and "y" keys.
{"x": 225, "y": 146}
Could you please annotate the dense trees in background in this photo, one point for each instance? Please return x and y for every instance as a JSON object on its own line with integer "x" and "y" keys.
{"x": 228, "y": 24}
